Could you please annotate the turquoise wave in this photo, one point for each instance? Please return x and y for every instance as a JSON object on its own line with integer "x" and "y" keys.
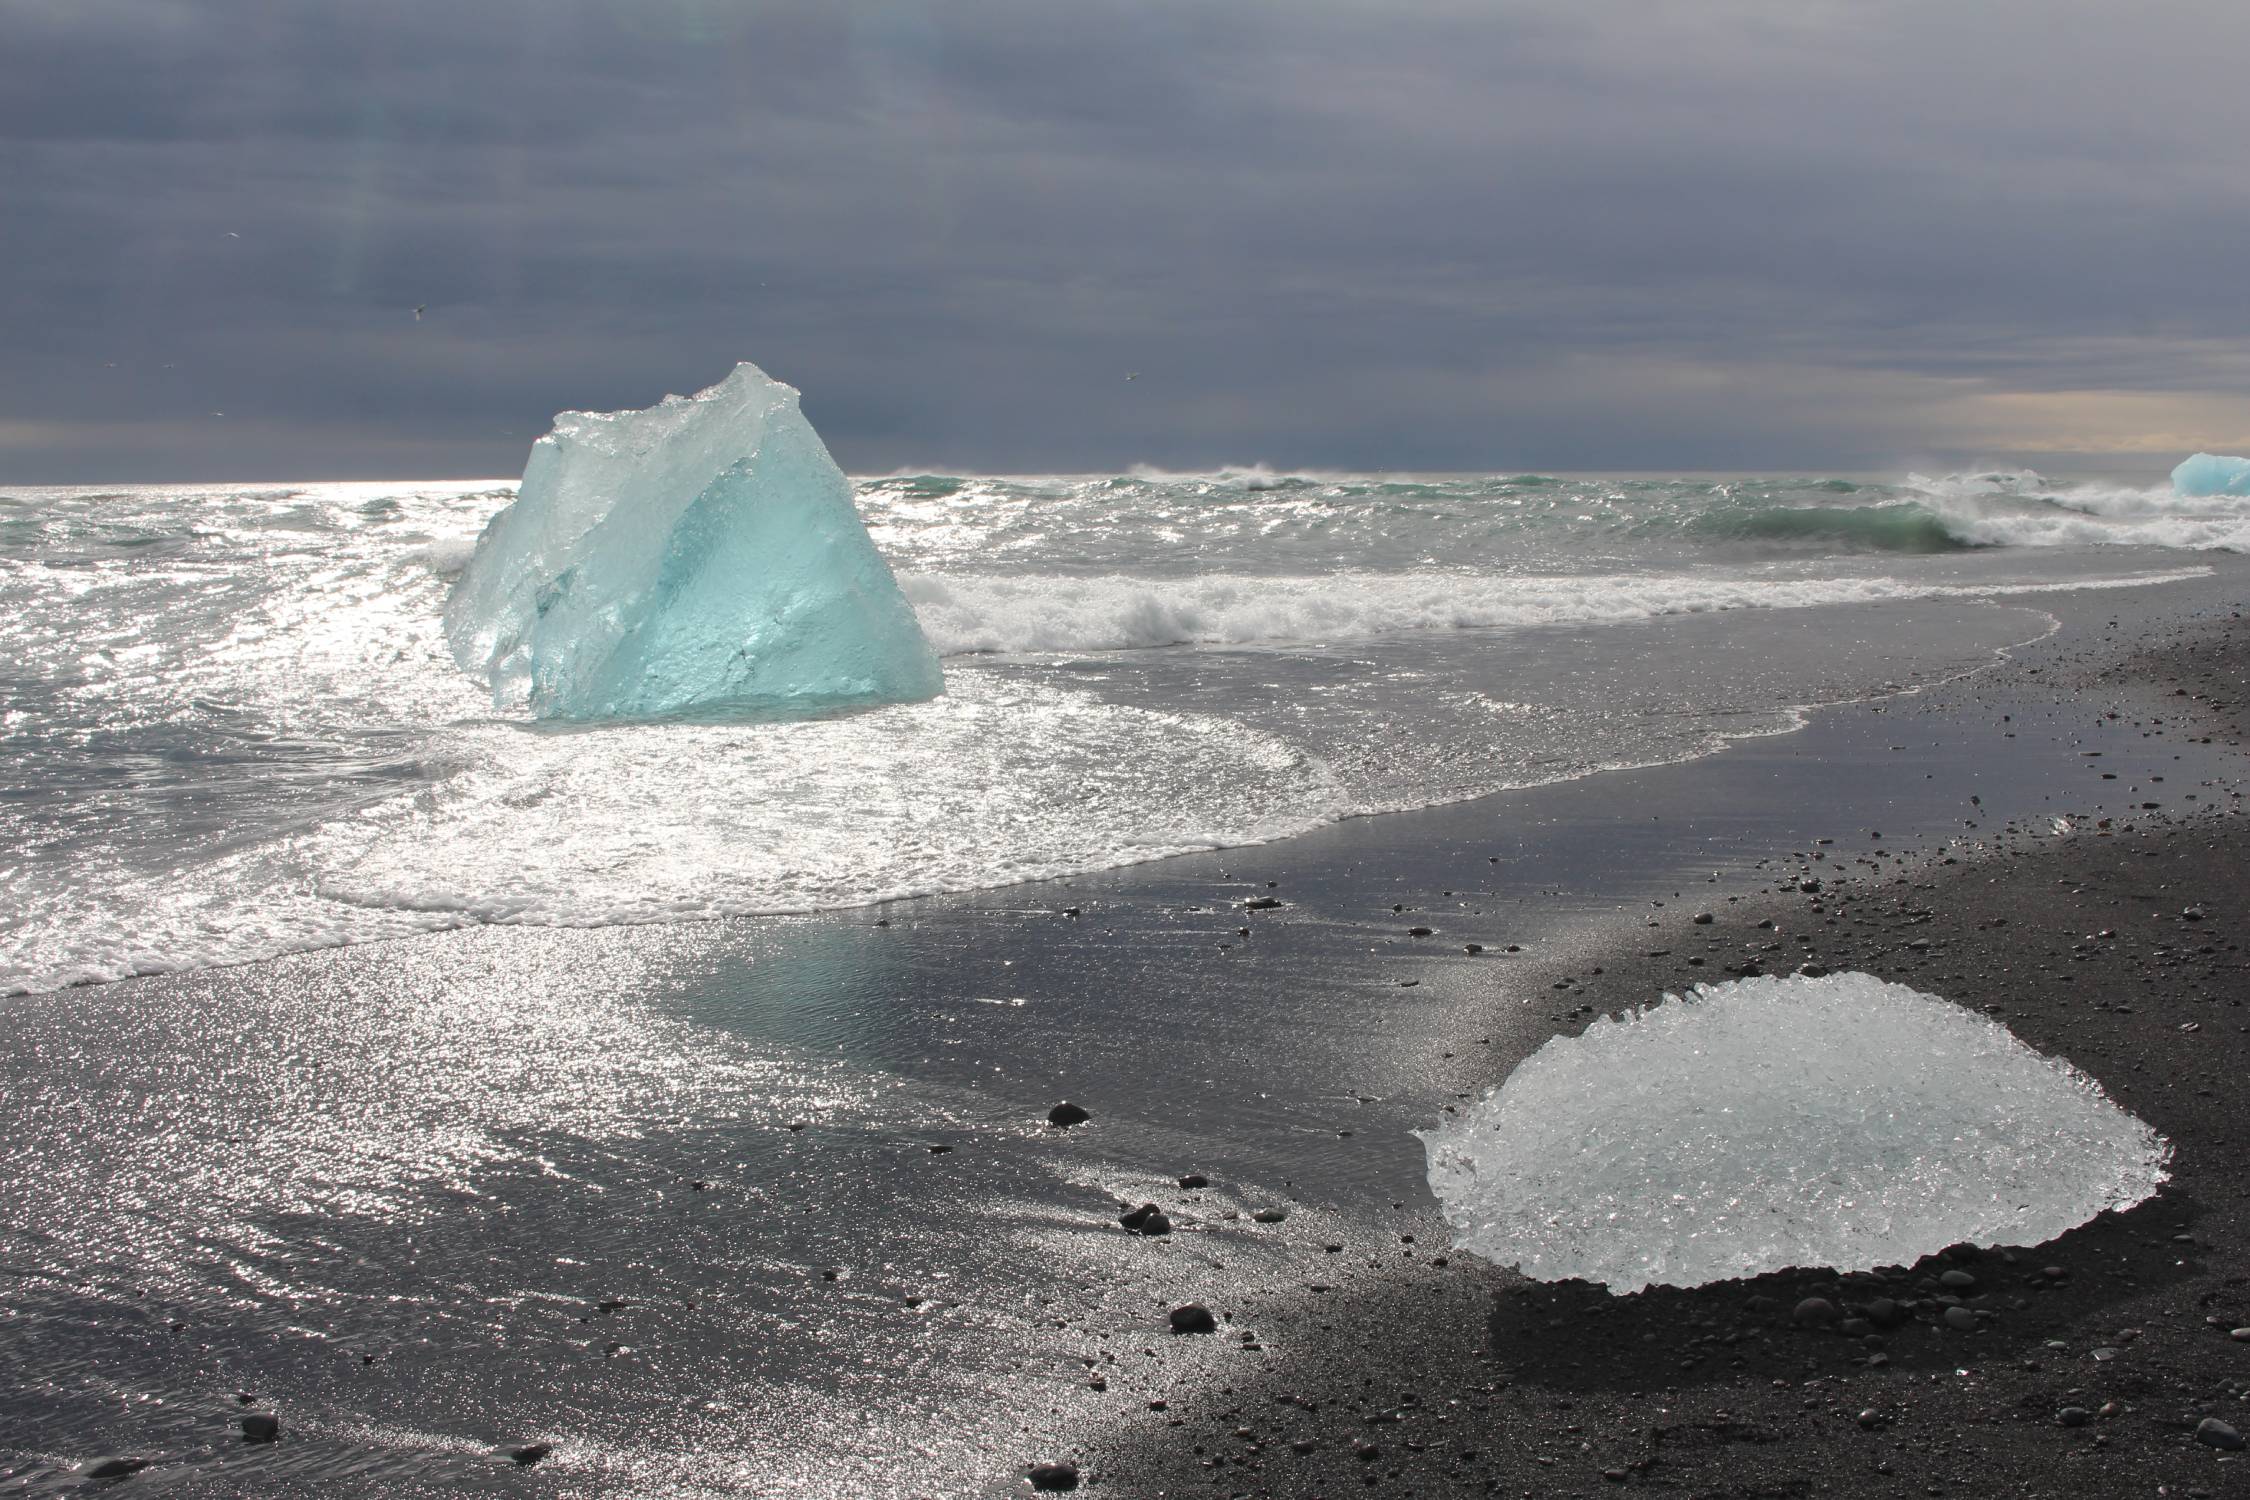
{"x": 1871, "y": 528}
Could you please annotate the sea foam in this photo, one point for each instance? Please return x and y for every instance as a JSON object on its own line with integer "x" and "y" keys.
{"x": 969, "y": 613}
{"x": 1775, "y": 1122}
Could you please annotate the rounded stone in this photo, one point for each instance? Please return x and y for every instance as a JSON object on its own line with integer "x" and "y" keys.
{"x": 1194, "y": 1318}
{"x": 114, "y": 1468}
{"x": 1067, "y": 1114}
{"x": 2218, "y": 1434}
{"x": 1055, "y": 1476}
{"x": 1814, "y": 1312}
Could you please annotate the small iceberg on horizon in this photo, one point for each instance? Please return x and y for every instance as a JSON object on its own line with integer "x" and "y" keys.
{"x": 2211, "y": 474}
{"x": 702, "y": 557}
{"x": 1770, "y": 1123}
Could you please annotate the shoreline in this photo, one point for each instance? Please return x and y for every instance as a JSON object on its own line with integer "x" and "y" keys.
{"x": 807, "y": 1159}
{"x": 1450, "y": 1376}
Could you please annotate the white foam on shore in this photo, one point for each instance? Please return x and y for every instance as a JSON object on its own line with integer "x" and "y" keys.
{"x": 1772, "y": 1122}
{"x": 970, "y": 613}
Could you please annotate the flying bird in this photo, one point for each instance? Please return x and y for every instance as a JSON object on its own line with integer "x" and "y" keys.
{"x": 418, "y": 310}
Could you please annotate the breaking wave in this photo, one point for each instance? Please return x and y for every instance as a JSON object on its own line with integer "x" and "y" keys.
{"x": 1008, "y": 614}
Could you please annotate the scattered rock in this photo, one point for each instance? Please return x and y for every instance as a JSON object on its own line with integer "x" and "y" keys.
{"x": 1261, "y": 903}
{"x": 1270, "y": 1215}
{"x": 1067, "y": 1114}
{"x": 115, "y": 1468}
{"x": 1195, "y": 1180}
{"x": 1194, "y": 1318}
{"x": 1961, "y": 1319}
{"x": 1814, "y": 1312}
{"x": 526, "y": 1454}
{"x": 1418, "y": 932}
{"x": 260, "y": 1427}
{"x": 1057, "y": 1476}
{"x": 1703, "y": 919}
{"x": 2073, "y": 1416}
{"x": 1134, "y": 1218}
{"x": 2217, "y": 1434}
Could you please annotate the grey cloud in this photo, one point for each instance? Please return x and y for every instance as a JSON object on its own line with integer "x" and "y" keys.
{"x": 1433, "y": 235}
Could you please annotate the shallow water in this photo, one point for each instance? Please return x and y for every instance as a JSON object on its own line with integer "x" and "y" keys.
{"x": 445, "y": 1155}
{"x": 232, "y": 729}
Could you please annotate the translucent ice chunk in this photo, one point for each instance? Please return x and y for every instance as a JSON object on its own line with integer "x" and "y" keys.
{"x": 704, "y": 555}
{"x": 1768, "y": 1123}
{"x": 2211, "y": 474}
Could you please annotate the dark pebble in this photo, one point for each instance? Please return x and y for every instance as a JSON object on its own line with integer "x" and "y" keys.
{"x": 1195, "y": 1180}
{"x": 1703, "y": 919}
{"x": 1957, "y": 1280}
{"x": 1194, "y": 1318}
{"x": 258, "y": 1427}
{"x": 2073, "y": 1416}
{"x": 1156, "y": 1223}
{"x": 1960, "y": 1318}
{"x": 526, "y": 1454}
{"x": 115, "y": 1468}
{"x": 1134, "y": 1218}
{"x": 1814, "y": 1311}
{"x": 1270, "y": 1215}
{"x": 1417, "y": 932}
{"x": 1067, "y": 1114}
{"x": 1054, "y": 1476}
{"x": 2217, "y": 1434}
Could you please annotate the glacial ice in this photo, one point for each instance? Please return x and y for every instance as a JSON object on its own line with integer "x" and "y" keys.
{"x": 1773, "y": 1122}
{"x": 704, "y": 555}
{"x": 2212, "y": 474}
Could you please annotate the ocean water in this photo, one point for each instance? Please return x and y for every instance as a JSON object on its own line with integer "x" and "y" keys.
{"x": 231, "y": 729}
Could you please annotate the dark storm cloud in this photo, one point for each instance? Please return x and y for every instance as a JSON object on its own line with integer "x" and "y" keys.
{"x": 1418, "y": 235}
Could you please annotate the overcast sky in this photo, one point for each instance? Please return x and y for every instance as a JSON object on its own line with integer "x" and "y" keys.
{"x": 1411, "y": 234}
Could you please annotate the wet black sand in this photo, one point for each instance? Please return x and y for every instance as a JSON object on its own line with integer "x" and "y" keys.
{"x": 2091, "y": 1361}
{"x": 773, "y": 1207}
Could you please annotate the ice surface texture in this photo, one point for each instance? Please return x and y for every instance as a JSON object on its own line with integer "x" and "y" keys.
{"x": 1768, "y": 1123}
{"x": 2211, "y": 474}
{"x": 702, "y": 556}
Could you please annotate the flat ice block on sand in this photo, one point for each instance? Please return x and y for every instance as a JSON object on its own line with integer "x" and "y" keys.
{"x": 2212, "y": 474}
{"x": 703, "y": 556}
{"x": 1775, "y": 1122}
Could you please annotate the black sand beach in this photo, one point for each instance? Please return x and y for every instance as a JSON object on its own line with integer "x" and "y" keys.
{"x": 768, "y": 1207}
{"x": 2093, "y": 1362}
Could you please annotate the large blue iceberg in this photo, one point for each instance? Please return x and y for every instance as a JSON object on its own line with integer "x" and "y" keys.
{"x": 2211, "y": 474}
{"x": 702, "y": 556}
